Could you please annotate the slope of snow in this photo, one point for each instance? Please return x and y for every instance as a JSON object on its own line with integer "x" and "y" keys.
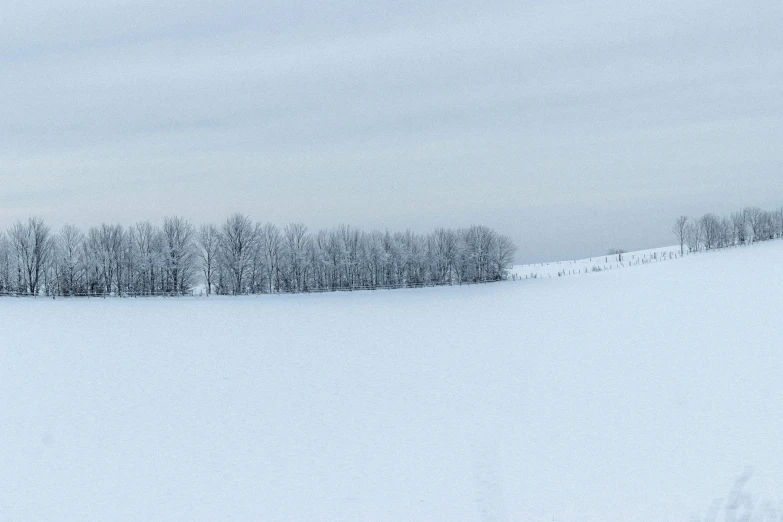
{"x": 636, "y": 394}
{"x": 595, "y": 264}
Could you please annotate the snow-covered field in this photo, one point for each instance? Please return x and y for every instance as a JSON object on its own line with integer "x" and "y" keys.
{"x": 595, "y": 264}
{"x": 633, "y": 394}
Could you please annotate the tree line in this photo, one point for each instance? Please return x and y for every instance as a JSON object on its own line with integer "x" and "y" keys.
{"x": 240, "y": 256}
{"x": 745, "y": 226}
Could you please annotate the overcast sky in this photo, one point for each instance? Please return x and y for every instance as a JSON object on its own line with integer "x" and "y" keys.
{"x": 573, "y": 127}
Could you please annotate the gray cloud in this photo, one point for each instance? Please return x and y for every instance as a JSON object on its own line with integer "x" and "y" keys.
{"x": 571, "y": 126}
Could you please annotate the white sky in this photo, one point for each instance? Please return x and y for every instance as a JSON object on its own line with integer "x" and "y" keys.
{"x": 573, "y": 127}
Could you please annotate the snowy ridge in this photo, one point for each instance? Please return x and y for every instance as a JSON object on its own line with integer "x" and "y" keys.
{"x": 594, "y": 264}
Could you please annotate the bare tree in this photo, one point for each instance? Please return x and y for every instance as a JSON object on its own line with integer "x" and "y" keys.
{"x": 710, "y": 230}
{"x": 778, "y": 223}
{"x": 271, "y": 241}
{"x": 479, "y": 241}
{"x": 238, "y": 242}
{"x": 679, "y": 229}
{"x": 32, "y": 245}
{"x": 296, "y": 243}
{"x": 70, "y": 253}
{"x": 106, "y": 245}
{"x": 502, "y": 256}
{"x": 693, "y": 236}
{"x": 208, "y": 245}
{"x": 6, "y": 264}
{"x": 256, "y": 281}
{"x": 441, "y": 247}
{"x": 148, "y": 258}
{"x": 179, "y": 252}
{"x": 754, "y": 218}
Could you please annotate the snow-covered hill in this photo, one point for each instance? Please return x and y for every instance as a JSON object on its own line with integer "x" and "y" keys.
{"x": 633, "y": 394}
{"x": 594, "y": 264}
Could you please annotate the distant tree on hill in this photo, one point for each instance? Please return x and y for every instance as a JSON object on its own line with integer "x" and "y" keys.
{"x": 755, "y": 218}
{"x": 710, "y": 226}
{"x": 739, "y": 222}
{"x": 748, "y": 225}
{"x": 680, "y": 228}
{"x": 693, "y": 236}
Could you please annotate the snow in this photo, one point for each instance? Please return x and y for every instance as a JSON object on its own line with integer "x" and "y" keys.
{"x": 634, "y": 394}
{"x": 595, "y": 264}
